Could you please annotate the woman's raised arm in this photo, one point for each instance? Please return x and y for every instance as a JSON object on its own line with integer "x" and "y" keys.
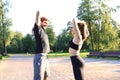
{"x": 77, "y": 31}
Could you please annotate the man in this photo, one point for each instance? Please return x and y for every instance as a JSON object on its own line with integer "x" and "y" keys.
{"x": 41, "y": 64}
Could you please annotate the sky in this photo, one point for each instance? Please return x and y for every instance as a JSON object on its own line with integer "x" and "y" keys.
{"x": 59, "y": 12}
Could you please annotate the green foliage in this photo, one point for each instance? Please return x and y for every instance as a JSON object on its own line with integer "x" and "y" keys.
{"x": 62, "y": 41}
{"x": 19, "y": 44}
{"x": 28, "y": 43}
{"x": 16, "y": 43}
{"x": 5, "y": 57}
{"x": 103, "y": 29}
{"x": 51, "y": 36}
{"x": 5, "y": 23}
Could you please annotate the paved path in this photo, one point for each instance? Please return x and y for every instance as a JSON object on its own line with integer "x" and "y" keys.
{"x": 20, "y": 67}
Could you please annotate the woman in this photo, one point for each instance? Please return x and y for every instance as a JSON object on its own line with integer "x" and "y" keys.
{"x": 80, "y": 33}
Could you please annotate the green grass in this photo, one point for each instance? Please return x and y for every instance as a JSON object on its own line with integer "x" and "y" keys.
{"x": 111, "y": 58}
{"x": 84, "y": 54}
{"x": 5, "y": 57}
{"x": 52, "y": 55}
{"x": 59, "y": 54}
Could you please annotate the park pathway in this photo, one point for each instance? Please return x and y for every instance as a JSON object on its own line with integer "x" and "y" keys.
{"x": 20, "y": 67}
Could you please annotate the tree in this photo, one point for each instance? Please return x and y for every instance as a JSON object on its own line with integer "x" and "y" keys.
{"x": 62, "y": 42}
{"x": 51, "y": 36}
{"x": 98, "y": 16}
{"x": 16, "y": 45}
{"x": 85, "y": 12}
{"x": 5, "y": 23}
{"x": 10, "y": 37}
{"x": 28, "y": 43}
{"x": 119, "y": 37}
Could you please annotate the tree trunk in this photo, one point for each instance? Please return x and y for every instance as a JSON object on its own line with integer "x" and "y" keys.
{"x": 91, "y": 37}
{"x": 4, "y": 51}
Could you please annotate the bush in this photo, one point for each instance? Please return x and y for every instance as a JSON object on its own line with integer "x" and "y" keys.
{"x": 0, "y": 56}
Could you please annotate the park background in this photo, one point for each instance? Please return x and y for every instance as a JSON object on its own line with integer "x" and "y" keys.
{"x": 100, "y": 16}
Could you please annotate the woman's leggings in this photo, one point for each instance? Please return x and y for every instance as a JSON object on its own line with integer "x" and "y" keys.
{"x": 77, "y": 64}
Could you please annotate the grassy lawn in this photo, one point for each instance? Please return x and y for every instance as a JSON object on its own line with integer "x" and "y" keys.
{"x": 59, "y": 54}
{"x": 52, "y": 55}
{"x": 5, "y": 57}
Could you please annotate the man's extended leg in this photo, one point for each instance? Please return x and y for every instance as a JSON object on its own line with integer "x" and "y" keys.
{"x": 47, "y": 69}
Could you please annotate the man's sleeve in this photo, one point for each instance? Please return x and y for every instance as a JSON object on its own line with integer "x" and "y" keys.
{"x": 36, "y": 30}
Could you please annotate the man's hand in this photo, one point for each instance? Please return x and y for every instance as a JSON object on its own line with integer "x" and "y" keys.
{"x": 37, "y": 14}
{"x": 37, "y": 18}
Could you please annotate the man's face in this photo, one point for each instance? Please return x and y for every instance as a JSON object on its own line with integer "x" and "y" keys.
{"x": 44, "y": 24}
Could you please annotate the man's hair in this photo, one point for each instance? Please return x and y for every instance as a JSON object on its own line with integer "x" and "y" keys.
{"x": 82, "y": 27}
{"x": 43, "y": 19}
